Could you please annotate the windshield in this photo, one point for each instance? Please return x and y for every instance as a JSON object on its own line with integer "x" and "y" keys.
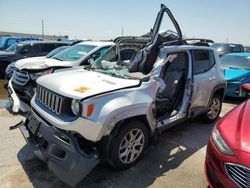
{"x": 13, "y": 48}
{"x": 74, "y": 53}
{"x": 238, "y": 62}
{"x": 108, "y": 64}
{"x": 2, "y": 41}
{"x": 57, "y": 50}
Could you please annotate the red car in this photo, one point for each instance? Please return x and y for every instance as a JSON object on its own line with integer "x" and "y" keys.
{"x": 227, "y": 161}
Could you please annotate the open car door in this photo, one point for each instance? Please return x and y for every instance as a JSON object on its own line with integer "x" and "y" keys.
{"x": 165, "y": 31}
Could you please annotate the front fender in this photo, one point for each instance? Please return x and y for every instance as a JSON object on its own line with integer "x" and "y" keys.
{"x": 114, "y": 107}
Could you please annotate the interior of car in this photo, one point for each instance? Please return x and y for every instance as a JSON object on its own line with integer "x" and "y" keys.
{"x": 174, "y": 75}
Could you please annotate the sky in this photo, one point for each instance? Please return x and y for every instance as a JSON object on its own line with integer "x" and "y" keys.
{"x": 219, "y": 20}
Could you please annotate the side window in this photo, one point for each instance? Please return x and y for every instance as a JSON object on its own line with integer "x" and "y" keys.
{"x": 11, "y": 41}
{"x": 36, "y": 48}
{"x": 99, "y": 53}
{"x": 47, "y": 47}
{"x": 201, "y": 61}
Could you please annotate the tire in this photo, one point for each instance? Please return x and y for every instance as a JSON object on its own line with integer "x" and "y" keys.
{"x": 213, "y": 110}
{"x": 124, "y": 151}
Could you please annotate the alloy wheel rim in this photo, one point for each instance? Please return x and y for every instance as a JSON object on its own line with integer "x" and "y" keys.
{"x": 131, "y": 146}
{"x": 214, "y": 108}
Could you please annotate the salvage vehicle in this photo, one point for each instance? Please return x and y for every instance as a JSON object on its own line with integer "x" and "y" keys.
{"x": 109, "y": 110}
{"x": 237, "y": 72}
{"x": 11, "y": 67}
{"x": 227, "y": 161}
{"x": 21, "y": 87}
{"x": 24, "y": 50}
{"x": 23, "y": 82}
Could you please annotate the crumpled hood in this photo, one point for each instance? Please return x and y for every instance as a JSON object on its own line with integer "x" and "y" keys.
{"x": 36, "y": 63}
{"x": 232, "y": 74}
{"x": 80, "y": 83}
{"x": 235, "y": 128}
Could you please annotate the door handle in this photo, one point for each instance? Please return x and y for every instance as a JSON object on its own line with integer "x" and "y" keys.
{"x": 211, "y": 78}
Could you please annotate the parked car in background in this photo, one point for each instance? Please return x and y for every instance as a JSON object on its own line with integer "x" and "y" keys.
{"x": 237, "y": 72}
{"x": 225, "y": 48}
{"x": 227, "y": 161}
{"x": 11, "y": 67}
{"x": 107, "y": 111}
{"x": 6, "y": 42}
{"x": 21, "y": 86}
{"x": 24, "y": 50}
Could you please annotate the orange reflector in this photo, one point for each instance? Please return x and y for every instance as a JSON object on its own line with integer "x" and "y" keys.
{"x": 90, "y": 109}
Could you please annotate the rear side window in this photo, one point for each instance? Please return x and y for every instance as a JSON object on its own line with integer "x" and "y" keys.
{"x": 201, "y": 61}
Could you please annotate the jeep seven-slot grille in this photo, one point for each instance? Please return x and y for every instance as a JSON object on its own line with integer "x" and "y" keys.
{"x": 239, "y": 174}
{"x": 20, "y": 77}
{"x": 49, "y": 99}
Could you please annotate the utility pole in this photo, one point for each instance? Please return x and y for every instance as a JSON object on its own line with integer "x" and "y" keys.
{"x": 42, "y": 29}
{"x": 122, "y": 31}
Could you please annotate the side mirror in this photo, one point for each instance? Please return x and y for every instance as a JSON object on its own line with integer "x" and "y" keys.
{"x": 246, "y": 89}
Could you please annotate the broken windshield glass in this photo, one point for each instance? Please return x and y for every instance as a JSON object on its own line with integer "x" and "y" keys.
{"x": 110, "y": 64}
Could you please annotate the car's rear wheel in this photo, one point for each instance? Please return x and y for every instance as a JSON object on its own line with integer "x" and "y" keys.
{"x": 128, "y": 146}
{"x": 214, "y": 109}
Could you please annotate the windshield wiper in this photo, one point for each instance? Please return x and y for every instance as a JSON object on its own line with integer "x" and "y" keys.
{"x": 56, "y": 58}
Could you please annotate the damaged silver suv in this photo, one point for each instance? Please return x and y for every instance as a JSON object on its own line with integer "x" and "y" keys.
{"x": 108, "y": 111}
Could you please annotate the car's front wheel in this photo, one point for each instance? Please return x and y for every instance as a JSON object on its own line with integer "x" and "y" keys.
{"x": 128, "y": 146}
{"x": 214, "y": 109}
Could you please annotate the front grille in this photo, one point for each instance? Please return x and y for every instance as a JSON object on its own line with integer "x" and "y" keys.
{"x": 20, "y": 77}
{"x": 49, "y": 99}
{"x": 239, "y": 174}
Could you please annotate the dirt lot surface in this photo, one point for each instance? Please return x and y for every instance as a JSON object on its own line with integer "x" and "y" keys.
{"x": 176, "y": 160}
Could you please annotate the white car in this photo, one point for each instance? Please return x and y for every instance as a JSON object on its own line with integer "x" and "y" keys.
{"x": 23, "y": 82}
{"x": 108, "y": 112}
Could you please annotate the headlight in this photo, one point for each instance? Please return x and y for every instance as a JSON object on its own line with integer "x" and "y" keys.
{"x": 34, "y": 76}
{"x": 75, "y": 106}
{"x": 220, "y": 143}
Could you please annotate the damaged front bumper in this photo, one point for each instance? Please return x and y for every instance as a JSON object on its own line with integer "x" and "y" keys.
{"x": 14, "y": 102}
{"x": 58, "y": 149}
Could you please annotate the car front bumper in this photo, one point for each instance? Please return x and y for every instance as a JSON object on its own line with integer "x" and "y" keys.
{"x": 59, "y": 149}
{"x": 14, "y": 101}
{"x": 215, "y": 168}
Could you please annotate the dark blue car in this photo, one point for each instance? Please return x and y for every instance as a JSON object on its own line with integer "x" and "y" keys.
{"x": 237, "y": 72}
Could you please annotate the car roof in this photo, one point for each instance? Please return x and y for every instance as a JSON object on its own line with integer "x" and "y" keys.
{"x": 97, "y": 43}
{"x": 43, "y": 42}
{"x": 244, "y": 54}
{"x": 187, "y": 47}
{"x": 226, "y": 44}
